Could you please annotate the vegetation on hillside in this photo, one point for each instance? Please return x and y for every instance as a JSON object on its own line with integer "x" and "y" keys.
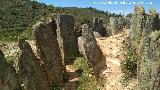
{"x": 18, "y": 16}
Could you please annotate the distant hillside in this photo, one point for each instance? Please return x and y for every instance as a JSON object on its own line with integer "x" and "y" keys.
{"x": 18, "y": 16}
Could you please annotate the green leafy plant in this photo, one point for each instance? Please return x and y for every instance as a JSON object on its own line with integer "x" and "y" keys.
{"x": 56, "y": 86}
{"x": 17, "y": 21}
{"x": 87, "y": 80}
{"x": 129, "y": 66}
{"x": 152, "y": 11}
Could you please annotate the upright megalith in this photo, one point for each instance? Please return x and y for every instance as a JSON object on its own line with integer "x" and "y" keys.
{"x": 81, "y": 47}
{"x": 66, "y": 37}
{"x": 120, "y": 23}
{"x": 48, "y": 50}
{"x": 127, "y": 22}
{"x": 31, "y": 74}
{"x": 116, "y": 24}
{"x": 91, "y": 51}
{"x": 8, "y": 77}
{"x": 98, "y": 28}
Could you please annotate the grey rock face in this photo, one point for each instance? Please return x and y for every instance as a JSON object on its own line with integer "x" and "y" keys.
{"x": 32, "y": 76}
{"x": 66, "y": 37}
{"x": 48, "y": 50}
{"x": 98, "y": 27}
{"x": 120, "y": 23}
{"x": 97, "y": 35}
{"x": 81, "y": 47}
{"x": 91, "y": 51}
{"x": 128, "y": 23}
{"x": 8, "y": 77}
{"x": 116, "y": 24}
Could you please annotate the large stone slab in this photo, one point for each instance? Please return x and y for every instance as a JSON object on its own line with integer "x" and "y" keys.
{"x": 91, "y": 51}
{"x": 98, "y": 28}
{"x": 8, "y": 77}
{"x": 48, "y": 50}
{"x": 30, "y": 72}
{"x": 66, "y": 37}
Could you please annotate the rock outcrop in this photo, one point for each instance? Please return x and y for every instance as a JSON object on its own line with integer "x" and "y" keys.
{"x": 31, "y": 74}
{"x": 66, "y": 37}
{"x": 48, "y": 50}
{"x": 91, "y": 51}
{"x": 116, "y": 24}
{"x": 81, "y": 47}
{"x": 8, "y": 77}
{"x": 98, "y": 27}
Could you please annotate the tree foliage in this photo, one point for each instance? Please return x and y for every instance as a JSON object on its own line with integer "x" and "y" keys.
{"x": 18, "y": 16}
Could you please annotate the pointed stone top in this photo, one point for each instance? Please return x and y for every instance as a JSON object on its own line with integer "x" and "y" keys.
{"x": 95, "y": 20}
{"x": 41, "y": 23}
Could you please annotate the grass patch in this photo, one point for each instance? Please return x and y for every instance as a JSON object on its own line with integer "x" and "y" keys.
{"x": 87, "y": 80}
{"x": 56, "y": 86}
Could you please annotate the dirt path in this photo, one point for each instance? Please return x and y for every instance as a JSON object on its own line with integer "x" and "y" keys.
{"x": 112, "y": 49}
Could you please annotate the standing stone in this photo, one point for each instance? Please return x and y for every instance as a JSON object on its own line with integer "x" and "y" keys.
{"x": 92, "y": 51}
{"x": 97, "y": 35}
{"x": 66, "y": 37}
{"x": 98, "y": 28}
{"x": 31, "y": 73}
{"x": 81, "y": 47}
{"x": 127, "y": 22}
{"x": 114, "y": 25}
{"x": 95, "y": 21}
{"x": 8, "y": 77}
{"x": 48, "y": 50}
{"x": 120, "y": 23}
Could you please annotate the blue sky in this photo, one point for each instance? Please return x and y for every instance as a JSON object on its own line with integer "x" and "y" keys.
{"x": 116, "y": 6}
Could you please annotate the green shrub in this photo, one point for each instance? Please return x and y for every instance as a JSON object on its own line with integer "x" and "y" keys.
{"x": 56, "y": 86}
{"x": 25, "y": 13}
{"x": 152, "y": 11}
{"x": 129, "y": 66}
{"x": 87, "y": 80}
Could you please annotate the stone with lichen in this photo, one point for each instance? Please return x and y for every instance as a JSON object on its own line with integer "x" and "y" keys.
{"x": 31, "y": 74}
{"x": 66, "y": 37}
{"x": 91, "y": 51}
{"x": 8, "y": 76}
{"x": 45, "y": 38}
